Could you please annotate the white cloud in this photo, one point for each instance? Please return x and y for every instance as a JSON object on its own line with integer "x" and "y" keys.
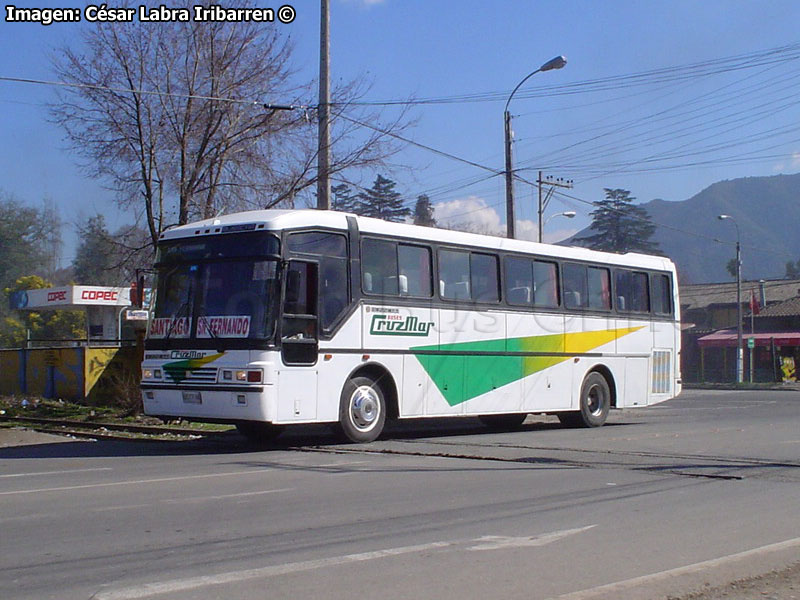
{"x": 474, "y": 215}
{"x": 790, "y": 164}
{"x": 470, "y": 213}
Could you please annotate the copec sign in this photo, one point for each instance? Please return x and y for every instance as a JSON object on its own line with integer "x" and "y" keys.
{"x": 71, "y": 296}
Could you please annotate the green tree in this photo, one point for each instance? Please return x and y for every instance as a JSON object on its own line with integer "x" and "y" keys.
{"x": 343, "y": 199}
{"x": 618, "y": 225}
{"x": 792, "y": 269}
{"x": 382, "y": 201}
{"x": 423, "y": 212}
{"x": 730, "y": 267}
{"x": 104, "y": 258}
{"x": 26, "y": 236}
{"x": 45, "y": 325}
{"x": 95, "y": 259}
{"x": 23, "y": 235}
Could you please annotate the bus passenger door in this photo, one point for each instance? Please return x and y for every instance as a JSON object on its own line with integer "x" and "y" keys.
{"x": 297, "y": 380}
{"x": 300, "y": 323}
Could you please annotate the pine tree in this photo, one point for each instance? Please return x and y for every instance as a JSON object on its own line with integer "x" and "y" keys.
{"x": 423, "y": 212}
{"x": 383, "y": 202}
{"x": 620, "y": 226}
{"x": 343, "y": 199}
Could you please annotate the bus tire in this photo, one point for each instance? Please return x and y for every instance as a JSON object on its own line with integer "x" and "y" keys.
{"x": 595, "y": 402}
{"x": 503, "y": 422}
{"x": 362, "y": 410}
{"x": 257, "y": 432}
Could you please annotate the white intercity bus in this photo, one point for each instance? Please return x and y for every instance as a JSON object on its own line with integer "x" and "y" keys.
{"x": 278, "y": 317}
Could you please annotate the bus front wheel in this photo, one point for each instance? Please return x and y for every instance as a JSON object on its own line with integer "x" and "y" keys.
{"x": 362, "y": 410}
{"x": 595, "y": 402}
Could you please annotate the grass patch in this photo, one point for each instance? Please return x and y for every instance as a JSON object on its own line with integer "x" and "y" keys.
{"x": 43, "y": 408}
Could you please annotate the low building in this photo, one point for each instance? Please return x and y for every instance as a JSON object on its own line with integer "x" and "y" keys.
{"x": 102, "y": 365}
{"x": 709, "y": 312}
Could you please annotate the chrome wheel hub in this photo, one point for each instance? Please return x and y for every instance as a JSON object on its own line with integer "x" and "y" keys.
{"x": 595, "y": 400}
{"x": 364, "y": 408}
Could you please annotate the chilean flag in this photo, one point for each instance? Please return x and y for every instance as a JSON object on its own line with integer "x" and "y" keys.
{"x": 755, "y": 307}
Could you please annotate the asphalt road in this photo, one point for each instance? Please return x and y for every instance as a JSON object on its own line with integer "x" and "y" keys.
{"x": 695, "y": 492}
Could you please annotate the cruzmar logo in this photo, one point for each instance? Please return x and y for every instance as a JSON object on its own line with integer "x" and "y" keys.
{"x": 399, "y": 325}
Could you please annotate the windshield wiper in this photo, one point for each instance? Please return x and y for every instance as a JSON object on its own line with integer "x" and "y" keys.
{"x": 207, "y": 323}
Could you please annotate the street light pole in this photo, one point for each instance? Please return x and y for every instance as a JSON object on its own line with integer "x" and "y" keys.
{"x": 569, "y": 214}
{"x": 555, "y": 63}
{"x": 739, "y": 349}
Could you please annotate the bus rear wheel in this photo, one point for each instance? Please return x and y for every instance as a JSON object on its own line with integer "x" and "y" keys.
{"x": 595, "y": 402}
{"x": 257, "y": 432}
{"x": 362, "y": 410}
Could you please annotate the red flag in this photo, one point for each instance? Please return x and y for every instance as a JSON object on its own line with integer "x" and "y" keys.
{"x": 755, "y": 307}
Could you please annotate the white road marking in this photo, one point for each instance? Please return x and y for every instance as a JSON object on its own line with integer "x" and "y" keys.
{"x": 494, "y": 542}
{"x": 180, "y": 585}
{"x": 618, "y": 588}
{"x": 55, "y": 472}
{"x": 188, "y": 500}
{"x": 193, "y": 583}
{"x": 133, "y": 482}
{"x": 224, "y": 496}
{"x": 343, "y": 464}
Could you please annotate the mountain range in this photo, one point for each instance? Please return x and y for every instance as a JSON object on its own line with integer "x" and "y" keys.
{"x": 766, "y": 210}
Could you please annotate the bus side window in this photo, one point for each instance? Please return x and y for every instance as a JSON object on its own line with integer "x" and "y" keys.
{"x": 333, "y": 290}
{"x": 575, "y": 286}
{"x": 661, "y": 294}
{"x": 379, "y": 267}
{"x": 631, "y": 290}
{"x": 599, "y": 288}
{"x": 545, "y": 277}
{"x": 518, "y": 281}
{"x": 483, "y": 277}
{"x": 454, "y": 274}
{"x": 414, "y": 263}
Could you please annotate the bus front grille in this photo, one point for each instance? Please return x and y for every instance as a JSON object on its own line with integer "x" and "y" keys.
{"x": 197, "y": 375}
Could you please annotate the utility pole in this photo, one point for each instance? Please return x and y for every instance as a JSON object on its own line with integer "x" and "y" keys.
{"x": 324, "y": 147}
{"x": 509, "y": 177}
{"x": 553, "y": 183}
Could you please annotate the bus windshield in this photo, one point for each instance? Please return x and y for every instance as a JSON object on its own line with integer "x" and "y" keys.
{"x": 212, "y": 291}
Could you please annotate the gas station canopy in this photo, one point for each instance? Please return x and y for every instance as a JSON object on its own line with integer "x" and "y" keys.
{"x": 71, "y": 297}
{"x": 103, "y": 305}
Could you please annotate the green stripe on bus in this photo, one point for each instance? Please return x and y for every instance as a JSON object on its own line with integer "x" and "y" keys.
{"x": 461, "y": 377}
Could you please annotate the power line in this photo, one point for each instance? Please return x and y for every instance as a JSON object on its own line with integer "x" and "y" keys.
{"x": 106, "y": 88}
{"x": 672, "y": 74}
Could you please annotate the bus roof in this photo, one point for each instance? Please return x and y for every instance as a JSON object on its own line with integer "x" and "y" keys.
{"x": 279, "y": 219}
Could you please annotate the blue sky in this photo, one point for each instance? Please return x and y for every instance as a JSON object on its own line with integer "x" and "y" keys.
{"x": 665, "y": 135}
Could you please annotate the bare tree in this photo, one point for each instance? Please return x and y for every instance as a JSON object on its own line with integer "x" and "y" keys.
{"x": 173, "y": 115}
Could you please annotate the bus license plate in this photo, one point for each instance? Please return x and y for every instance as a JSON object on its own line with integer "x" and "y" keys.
{"x": 192, "y": 398}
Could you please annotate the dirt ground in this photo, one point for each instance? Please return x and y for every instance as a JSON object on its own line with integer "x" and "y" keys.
{"x": 19, "y": 436}
{"x": 776, "y": 585}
